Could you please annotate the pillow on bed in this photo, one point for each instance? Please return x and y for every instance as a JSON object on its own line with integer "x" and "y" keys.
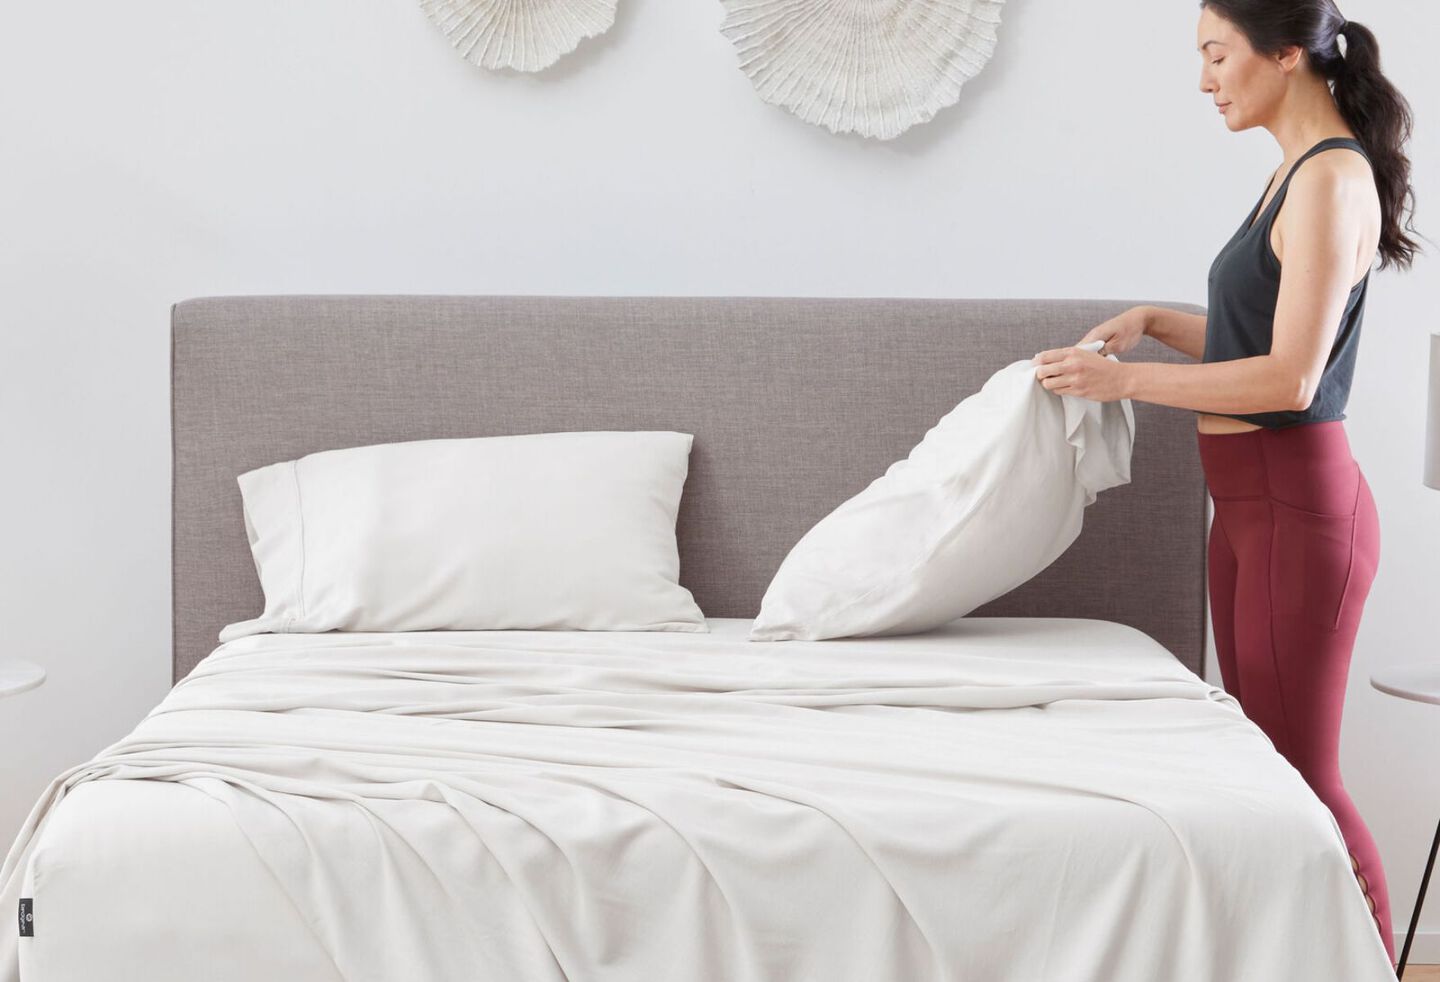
{"x": 564, "y": 531}
{"x": 991, "y": 496}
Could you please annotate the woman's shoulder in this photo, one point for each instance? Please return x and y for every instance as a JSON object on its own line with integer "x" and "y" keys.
{"x": 1333, "y": 189}
{"x": 1335, "y": 178}
{"x": 1335, "y": 165}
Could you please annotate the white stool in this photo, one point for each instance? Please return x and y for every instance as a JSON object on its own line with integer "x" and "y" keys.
{"x": 18, "y": 675}
{"x": 1420, "y": 682}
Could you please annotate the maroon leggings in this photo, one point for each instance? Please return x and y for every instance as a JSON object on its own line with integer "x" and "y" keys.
{"x": 1293, "y": 549}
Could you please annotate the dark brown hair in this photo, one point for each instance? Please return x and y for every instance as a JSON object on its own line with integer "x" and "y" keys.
{"x": 1370, "y": 104}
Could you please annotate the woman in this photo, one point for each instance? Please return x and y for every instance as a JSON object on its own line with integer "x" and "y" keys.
{"x": 1295, "y": 540}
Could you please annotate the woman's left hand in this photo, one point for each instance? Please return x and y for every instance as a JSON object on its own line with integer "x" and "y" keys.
{"x": 1077, "y": 372}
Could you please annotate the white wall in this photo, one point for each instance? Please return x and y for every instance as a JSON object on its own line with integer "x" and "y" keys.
{"x": 151, "y": 152}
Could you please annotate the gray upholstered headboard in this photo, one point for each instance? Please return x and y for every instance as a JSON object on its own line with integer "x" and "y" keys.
{"x": 796, "y": 404}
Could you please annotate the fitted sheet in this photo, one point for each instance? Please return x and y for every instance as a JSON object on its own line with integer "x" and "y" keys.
{"x": 1001, "y": 799}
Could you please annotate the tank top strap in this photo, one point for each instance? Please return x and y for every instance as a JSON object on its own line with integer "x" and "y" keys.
{"x": 1326, "y": 144}
{"x": 1333, "y": 141}
{"x": 1274, "y": 206}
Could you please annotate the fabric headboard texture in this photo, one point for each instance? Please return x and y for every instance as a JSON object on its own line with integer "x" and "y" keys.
{"x": 796, "y": 404}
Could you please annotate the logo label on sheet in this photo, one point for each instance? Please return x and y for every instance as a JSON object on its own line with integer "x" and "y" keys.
{"x": 27, "y": 917}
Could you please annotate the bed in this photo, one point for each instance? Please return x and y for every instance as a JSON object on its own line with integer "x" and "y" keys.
{"x": 1044, "y": 790}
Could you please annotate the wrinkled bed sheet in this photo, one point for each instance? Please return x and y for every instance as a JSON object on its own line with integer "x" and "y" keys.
{"x": 1004, "y": 799}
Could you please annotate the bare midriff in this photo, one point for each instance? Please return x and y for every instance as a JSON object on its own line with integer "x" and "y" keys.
{"x": 1210, "y": 423}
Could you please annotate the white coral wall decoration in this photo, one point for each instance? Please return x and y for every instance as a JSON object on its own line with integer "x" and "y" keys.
{"x": 526, "y": 35}
{"x": 873, "y": 67}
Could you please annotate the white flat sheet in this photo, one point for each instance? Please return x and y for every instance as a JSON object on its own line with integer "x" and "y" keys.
{"x": 1005, "y": 799}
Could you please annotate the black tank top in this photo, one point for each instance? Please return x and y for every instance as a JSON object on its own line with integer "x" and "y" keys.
{"x": 1240, "y": 319}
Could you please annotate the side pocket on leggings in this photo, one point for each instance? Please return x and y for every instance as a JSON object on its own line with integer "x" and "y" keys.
{"x": 1310, "y": 563}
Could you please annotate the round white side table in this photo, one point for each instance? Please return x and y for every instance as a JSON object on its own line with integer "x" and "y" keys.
{"x": 1420, "y": 682}
{"x": 18, "y": 675}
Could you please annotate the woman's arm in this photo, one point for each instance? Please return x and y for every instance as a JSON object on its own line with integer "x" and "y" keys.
{"x": 1262, "y": 384}
{"x": 1183, "y": 332}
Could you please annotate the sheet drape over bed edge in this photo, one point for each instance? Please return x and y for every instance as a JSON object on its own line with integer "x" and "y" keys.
{"x": 1004, "y": 799}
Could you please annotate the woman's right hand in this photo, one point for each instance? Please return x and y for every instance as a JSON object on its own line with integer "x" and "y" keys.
{"x": 1120, "y": 333}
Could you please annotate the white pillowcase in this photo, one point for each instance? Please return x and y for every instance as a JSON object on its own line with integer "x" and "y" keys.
{"x": 991, "y": 496}
{"x": 564, "y": 531}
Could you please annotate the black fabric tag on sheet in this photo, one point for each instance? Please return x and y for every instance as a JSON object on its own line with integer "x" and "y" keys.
{"x": 27, "y": 917}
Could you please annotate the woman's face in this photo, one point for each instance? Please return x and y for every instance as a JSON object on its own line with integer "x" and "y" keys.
{"x": 1248, "y": 86}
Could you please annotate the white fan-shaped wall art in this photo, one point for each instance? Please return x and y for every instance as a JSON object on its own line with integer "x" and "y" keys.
{"x": 873, "y": 67}
{"x": 526, "y": 35}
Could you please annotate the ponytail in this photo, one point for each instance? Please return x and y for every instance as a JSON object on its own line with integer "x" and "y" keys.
{"x": 1382, "y": 122}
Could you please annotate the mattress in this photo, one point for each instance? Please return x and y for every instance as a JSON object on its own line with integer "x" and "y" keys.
{"x": 1003, "y": 799}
